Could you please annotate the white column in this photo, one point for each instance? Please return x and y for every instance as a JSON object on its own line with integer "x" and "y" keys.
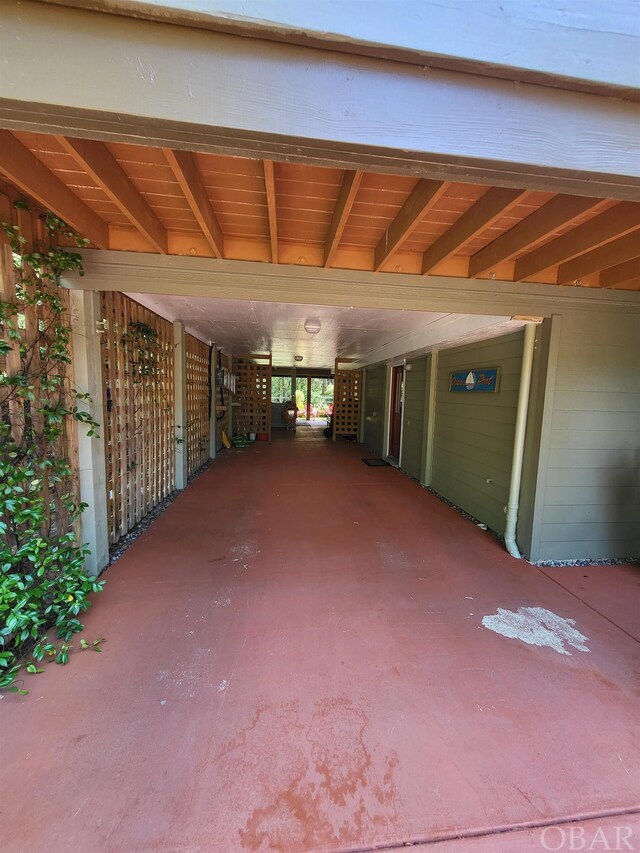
{"x": 180, "y": 402}
{"x": 213, "y": 413}
{"x": 230, "y": 402}
{"x": 87, "y": 375}
{"x": 363, "y": 391}
{"x": 430, "y": 416}
{"x": 387, "y": 411}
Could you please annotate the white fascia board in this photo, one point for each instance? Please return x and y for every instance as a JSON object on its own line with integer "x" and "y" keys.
{"x": 125, "y": 79}
{"x": 574, "y": 44}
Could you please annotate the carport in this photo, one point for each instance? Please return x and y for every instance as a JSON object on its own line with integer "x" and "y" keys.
{"x": 334, "y": 671}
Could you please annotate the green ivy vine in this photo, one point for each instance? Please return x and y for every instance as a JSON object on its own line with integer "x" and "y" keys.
{"x": 43, "y": 586}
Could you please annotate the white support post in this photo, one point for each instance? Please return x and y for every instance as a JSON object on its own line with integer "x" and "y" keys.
{"x": 180, "y": 402}
{"x": 87, "y": 377}
{"x": 363, "y": 391}
{"x": 213, "y": 412}
{"x": 387, "y": 411}
{"x": 430, "y": 417}
{"x": 230, "y": 402}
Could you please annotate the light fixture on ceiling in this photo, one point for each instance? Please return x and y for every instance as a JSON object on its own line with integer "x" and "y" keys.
{"x": 312, "y": 325}
{"x": 298, "y": 358}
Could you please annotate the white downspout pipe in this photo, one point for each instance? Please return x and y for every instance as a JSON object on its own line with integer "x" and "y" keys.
{"x": 518, "y": 441}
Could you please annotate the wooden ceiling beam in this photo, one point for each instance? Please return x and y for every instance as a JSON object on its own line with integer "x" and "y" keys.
{"x": 627, "y": 272}
{"x": 270, "y": 189}
{"x": 610, "y": 254}
{"x": 555, "y": 213}
{"x": 186, "y": 171}
{"x": 424, "y": 196}
{"x": 491, "y": 206}
{"x": 24, "y": 170}
{"x": 617, "y": 222}
{"x": 346, "y": 197}
{"x": 103, "y": 168}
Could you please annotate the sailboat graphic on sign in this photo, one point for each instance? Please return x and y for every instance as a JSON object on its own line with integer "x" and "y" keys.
{"x": 480, "y": 379}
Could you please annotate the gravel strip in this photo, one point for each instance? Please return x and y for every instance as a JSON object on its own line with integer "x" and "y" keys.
{"x": 117, "y": 550}
{"x": 627, "y": 561}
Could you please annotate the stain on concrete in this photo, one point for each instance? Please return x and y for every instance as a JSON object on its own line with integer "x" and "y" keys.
{"x": 537, "y": 627}
{"x": 325, "y": 791}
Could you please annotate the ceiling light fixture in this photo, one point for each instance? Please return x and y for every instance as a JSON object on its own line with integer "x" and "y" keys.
{"x": 298, "y": 358}
{"x": 312, "y": 325}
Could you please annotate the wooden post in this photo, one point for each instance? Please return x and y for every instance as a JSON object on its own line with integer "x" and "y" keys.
{"x": 87, "y": 372}
{"x": 213, "y": 413}
{"x": 430, "y": 417}
{"x": 180, "y": 403}
{"x": 308, "y": 398}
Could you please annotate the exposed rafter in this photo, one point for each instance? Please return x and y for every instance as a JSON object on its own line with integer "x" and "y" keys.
{"x": 346, "y": 197}
{"x": 539, "y": 224}
{"x": 489, "y": 207}
{"x": 424, "y": 196}
{"x": 27, "y": 172}
{"x": 620, "y": 220}
{"x": 610, "y": 254}
{"x": 625, "y": 273}
{"x": 270, "y": 188}
{"x": 186, "y": 171}
{"x": 100, "y": 164}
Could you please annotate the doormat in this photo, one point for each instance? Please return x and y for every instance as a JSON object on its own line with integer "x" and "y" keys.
{"x": 376, "y": 463}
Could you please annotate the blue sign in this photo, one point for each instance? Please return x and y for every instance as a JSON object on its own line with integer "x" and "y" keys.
{"x": 482, "y": 379}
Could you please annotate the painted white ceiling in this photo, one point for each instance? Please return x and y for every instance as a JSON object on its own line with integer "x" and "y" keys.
{"x": 365, "y": 334}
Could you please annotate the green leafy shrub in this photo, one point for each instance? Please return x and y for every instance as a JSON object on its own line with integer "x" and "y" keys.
{"x": 43, "y": 585}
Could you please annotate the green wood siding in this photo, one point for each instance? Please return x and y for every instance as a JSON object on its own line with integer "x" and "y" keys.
{"x": 413, "y": 427}
{"x": 374, "y": 401}
{"x": 473, "y": 439}
{"x": 589, "y": 505}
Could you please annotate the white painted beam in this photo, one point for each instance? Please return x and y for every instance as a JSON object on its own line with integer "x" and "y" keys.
{"x": 135, "y": 272}
{"x": 586, "y": 43}
{"x": 442, "y": 333}
{"x": 87, "y": 374}
{"x": 184, "y": 88}
{"x": 180, "y": 403}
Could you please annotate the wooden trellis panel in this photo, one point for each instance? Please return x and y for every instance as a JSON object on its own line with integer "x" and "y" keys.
{"x": 139, "y": 411}
{"x": 222, "y": 404}
{"x": 197, "y": 433}
{"x": 347, "y": 391}
{"x": 253, "y": 394}
{"x": 33, "y": 322}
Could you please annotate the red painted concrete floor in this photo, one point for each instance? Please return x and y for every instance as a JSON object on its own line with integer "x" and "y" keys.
{"x": 295, "y": 661}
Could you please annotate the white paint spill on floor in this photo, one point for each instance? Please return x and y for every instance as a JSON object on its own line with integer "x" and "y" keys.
{"x": 537, "y": 627}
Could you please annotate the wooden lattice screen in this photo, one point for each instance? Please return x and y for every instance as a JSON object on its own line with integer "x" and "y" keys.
{"x": 197, "y": 357}
{"x": 253, "y": 394}
{"x": 16, "y": 411}
{"x": 139, "y": 430}
{"x": 222, "y": 405}
{"x": 347, "y": 391}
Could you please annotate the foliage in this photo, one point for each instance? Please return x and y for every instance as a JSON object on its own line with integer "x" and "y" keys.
{"x": 143, "y": 351}
{"x": 42, "y": 580}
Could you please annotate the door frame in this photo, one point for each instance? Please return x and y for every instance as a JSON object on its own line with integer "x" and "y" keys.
{"x": 396, "y": 365}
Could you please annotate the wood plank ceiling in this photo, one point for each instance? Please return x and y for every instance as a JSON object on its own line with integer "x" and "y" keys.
{"x": 136, "y": 198}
